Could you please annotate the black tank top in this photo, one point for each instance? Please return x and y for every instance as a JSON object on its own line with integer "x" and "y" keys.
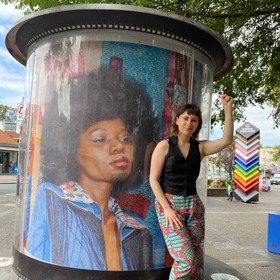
{"x": 179, "y": 174}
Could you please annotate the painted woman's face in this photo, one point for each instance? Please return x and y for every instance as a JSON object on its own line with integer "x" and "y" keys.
{"x": 105, "y": 152}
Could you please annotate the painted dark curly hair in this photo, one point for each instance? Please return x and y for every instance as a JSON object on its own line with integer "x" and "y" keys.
{"x": 105, "y": 95}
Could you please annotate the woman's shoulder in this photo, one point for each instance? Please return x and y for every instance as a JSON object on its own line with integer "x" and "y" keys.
{"x": 172, "y": 140}
{"x": 195, "y": 141}
{"x": 162, "y": 146}
{"x": 48, "y": 186}
{"x": 163, "y": 143}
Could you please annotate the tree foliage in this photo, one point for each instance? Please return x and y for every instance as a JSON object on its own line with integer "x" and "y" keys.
{"x": 226, "y": 159}
{"x": 276, "y": 153}
{"x": 252, "y": 29}
{"x": 7, "y": 113}
{"x": 215, "y": 162}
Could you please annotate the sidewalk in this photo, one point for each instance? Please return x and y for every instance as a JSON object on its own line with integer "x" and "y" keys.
{"x": 6, "y": 178}
{"x": 236, "y": 234}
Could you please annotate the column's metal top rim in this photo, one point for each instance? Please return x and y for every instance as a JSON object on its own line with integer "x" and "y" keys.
{"x": 40, "y": 24}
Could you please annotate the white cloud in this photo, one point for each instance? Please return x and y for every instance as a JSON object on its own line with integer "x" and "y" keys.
{"x": 9, "y": 14}
{"x": 12, "y": 84}
{"x": 12, "y": 74}
{"x": 4, "y": 27}
{"x": 8, "y": 17}
{"x": 6, "y": 57}
{"x": 259, "y": 118}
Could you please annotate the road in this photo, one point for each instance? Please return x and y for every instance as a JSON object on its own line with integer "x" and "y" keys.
{"x": 7, "y": 192}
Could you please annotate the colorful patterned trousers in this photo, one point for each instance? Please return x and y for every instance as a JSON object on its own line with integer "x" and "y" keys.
{"x": 185, "y": 245}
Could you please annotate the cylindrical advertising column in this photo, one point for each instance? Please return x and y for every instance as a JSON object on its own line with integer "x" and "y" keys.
{"x": 102, "y": 85}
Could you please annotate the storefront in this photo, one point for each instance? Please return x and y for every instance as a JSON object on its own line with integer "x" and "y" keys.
{"x": 8, "y": 154}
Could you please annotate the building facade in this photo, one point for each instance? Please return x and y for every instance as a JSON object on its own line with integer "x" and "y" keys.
{"x": 9, "y": 141}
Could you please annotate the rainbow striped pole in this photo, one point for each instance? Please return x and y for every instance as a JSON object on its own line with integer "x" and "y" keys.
{"x": 246, "y": 167}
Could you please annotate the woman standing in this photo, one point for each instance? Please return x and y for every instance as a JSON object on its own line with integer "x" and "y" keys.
{"x": 175, "y": 167}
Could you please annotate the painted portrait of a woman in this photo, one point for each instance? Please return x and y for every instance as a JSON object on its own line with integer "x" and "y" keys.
{"x": 89, "y": 156}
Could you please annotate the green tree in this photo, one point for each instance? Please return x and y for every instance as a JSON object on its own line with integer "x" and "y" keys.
{"x": 276, "y": 153}
{"x": 7, "y": 113}
{"x": 252, "y": 29}
{"x": 223, "y": 159}
{"x": 226, "y": 158}
{"x": 214, "y": 162}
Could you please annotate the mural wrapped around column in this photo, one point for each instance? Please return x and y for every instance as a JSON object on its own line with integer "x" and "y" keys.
{"x": 97, "y": 102}
{"x": 246, "y": 172}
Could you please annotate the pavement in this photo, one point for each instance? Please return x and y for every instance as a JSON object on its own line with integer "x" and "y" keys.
{"x": 235, "y": 244}
{"x": 8, "y": 178}
{"x": 237, "y": 235}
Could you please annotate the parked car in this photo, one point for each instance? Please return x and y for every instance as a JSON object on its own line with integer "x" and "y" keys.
{"x": 275, "y": 180}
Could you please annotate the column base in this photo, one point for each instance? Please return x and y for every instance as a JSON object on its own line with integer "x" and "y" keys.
{"x": 25, "y": 267}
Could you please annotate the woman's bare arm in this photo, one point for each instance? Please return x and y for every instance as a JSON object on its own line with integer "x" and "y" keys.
{"x": 212, "y": 147}
{"x": 157, "y": 163}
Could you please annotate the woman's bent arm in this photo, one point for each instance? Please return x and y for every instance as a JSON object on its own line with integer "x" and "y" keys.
{"x": 212, "y": 147}
{"x": 157, "y": 163}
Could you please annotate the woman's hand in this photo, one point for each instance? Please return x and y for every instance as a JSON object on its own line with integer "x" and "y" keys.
{"x": 172, "y": 218}
{"x": 227, "y": 101}
{"x": 211, "y": 147}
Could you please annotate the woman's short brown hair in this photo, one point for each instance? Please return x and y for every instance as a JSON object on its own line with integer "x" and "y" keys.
{"x": 191, "y": 109}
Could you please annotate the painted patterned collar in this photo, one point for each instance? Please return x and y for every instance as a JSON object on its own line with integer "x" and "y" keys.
{"x": 72, "y": 191}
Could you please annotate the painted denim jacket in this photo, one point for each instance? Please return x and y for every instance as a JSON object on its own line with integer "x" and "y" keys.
{"x": 66, "y": 229}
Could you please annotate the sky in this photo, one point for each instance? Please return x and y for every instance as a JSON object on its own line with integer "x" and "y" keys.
{"x": 12, "y": 73}
{"x": 260, "y": 119}
{"x": 12, "y": 80}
